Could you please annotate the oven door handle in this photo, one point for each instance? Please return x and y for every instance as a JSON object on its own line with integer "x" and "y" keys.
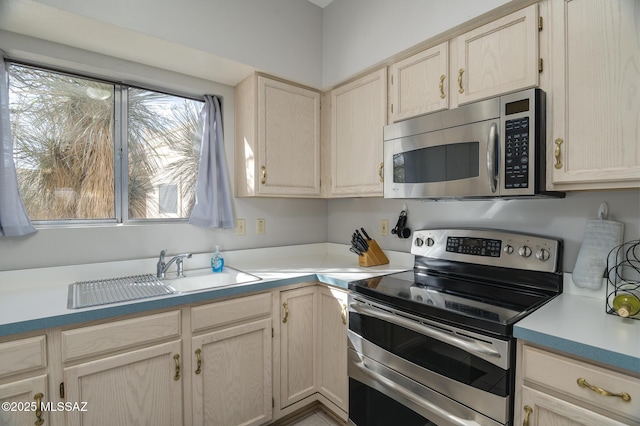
{"x": 361, "y": 365}
{"x": 465, "y": 343}
{"x": 492, "y": 168}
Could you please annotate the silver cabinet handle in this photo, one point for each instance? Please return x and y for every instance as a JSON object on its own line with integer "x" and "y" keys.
{"x": 467, "y": 344}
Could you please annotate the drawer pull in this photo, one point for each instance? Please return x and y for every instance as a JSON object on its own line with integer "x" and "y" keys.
{"x": 263, "y": 172}
{"x": 39, "y": 420}
{"x": 442, "y": 94}
{"x": 584, "y": 384}
{"x": 343, "y": 314}
{"x": 199, "y": 361}
{"x": 557, "y": 154}
{"x": 527, "y": 412}
{"x": 286, "y": 313}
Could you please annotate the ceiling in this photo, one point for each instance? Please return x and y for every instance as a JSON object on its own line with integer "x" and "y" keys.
{"x": 321, "y": 3}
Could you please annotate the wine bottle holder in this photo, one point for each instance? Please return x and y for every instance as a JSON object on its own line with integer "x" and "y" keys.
{"x": 623, "y": 274}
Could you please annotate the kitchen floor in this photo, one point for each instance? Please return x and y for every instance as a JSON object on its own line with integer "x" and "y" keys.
{"x": 317, "y": 418}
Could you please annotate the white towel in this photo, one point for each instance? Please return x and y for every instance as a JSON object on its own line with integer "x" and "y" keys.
{"x": 600, "y": 237}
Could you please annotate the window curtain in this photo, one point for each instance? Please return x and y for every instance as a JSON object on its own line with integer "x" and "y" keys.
{"x": 13, "y": 216}
{"x": 213, "y": 207}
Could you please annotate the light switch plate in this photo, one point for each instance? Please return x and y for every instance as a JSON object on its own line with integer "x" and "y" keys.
{"x": 241, "y": 227}
{"x": 260, "y": 224}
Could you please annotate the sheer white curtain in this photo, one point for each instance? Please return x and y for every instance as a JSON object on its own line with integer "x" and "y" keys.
{"x": 13, "y": 216}
{"x": 213, "y": 207}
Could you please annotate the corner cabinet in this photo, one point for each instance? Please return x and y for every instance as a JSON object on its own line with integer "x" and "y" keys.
{"x": 333, "y": 320}
{"x": 298, "y": 344}
{"x": 497, "y": 58}
{"x": 277, "y": 139}
{"x": 358, "y": 115}
{"x": 419, "y": 84}
{"x": 554, "y": 389}
{"x": 595, "y": 94}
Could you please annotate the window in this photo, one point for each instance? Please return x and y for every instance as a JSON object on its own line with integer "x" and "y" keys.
{"x": 93, "y": 151}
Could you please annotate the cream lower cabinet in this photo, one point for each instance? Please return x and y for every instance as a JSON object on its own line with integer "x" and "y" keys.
{"x": 277, "y": 132}
{"x": 23, "y": 380}
{"x": 595, "y": 102}
{"x": 541, "y": 409}
{"x": 333, "y": 324}
{"x": 358, "y": 115}
{"x": 231, "y": 366}
{"x": 128, "y": 372}
{"x": 298, "y": 344}
{"x": 556, "y": 390}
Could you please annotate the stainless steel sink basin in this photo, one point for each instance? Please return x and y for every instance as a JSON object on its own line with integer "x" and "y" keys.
{"x": 202, "y": 279}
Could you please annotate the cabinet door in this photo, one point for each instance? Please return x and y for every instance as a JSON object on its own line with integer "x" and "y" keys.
{"x": 289, "y": 139}
{"x": 542, "y": 409}
{"x": 19, "y": 393}
{"x": 141, "y": 387}
{"x": 358, "y": 115}
{"x": 232, "y": 375}
{"x": 333, "y": 322}
{"x": 596, "y": 104}
{"x": 298, "y": 344}
{"x": 499, "y": 57}
{"x": 419, "y": 84}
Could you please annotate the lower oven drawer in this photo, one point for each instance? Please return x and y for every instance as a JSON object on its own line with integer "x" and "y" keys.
{"x": 379, "y": 396}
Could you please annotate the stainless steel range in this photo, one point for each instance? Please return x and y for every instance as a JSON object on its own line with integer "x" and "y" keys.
{"x": 435, "y": 346}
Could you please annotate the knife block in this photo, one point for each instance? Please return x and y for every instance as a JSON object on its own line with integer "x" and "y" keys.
{"x": 374, "y": 256}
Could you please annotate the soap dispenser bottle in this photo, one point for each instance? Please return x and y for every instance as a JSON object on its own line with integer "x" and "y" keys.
{"x": 217, "y": 261}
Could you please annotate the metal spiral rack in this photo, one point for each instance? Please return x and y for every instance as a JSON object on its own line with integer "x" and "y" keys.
{"x": 623, "y": 273}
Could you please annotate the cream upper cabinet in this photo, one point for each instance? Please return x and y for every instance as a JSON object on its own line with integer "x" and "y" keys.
{"x": 420, "y": 84}
{"x": 277, "y": 139}
{"x": 358, "y": 115}
{"x": 333, "y": 321}
{"x": 496, "y": 58}
{"x": 554, "y": 389}
{"x": 595, "y": 126}
{"x": 298, "y": 344}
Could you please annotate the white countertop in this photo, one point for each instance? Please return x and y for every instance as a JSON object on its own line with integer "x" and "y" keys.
{"x": 36, "y": 299}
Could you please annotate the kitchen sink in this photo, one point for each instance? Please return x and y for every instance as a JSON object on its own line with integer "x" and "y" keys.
{"x": 202, "y": 279}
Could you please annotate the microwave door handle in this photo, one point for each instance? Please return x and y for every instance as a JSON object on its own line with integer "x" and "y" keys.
{"x": 492, "y": 166}
{"x": 466, "y": 344}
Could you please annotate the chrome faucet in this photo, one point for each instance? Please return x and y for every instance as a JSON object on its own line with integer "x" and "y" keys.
{"x": 178, "y": 258}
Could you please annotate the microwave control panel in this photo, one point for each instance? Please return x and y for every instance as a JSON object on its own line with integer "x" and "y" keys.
{"x": 516, "y": 170}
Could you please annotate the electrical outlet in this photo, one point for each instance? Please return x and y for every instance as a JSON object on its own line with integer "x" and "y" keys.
{"x": 260, "y": 226}
{"x": 241, "y": 227}
{"x": 384, "y": 227}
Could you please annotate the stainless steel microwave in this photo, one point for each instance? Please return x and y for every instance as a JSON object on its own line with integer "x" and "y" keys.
{"x": 491, "y": 148}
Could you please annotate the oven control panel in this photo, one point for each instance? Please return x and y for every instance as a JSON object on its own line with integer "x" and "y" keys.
{"x": 489, "y": 247}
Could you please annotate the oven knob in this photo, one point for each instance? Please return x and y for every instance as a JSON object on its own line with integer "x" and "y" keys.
{"x": 543, "y": 254}
{"x": 418, "y": 242}
{"x": 430, "y": 242}
{"x": 524, "y": 251}
{"x": 508, "y": 249}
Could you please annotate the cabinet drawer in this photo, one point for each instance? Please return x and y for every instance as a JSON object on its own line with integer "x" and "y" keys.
{"x": 230, "y": 311}
{"x": 23, "y": 355}
{"x": 119, "y": 335}
{"x": 562, "y": 374}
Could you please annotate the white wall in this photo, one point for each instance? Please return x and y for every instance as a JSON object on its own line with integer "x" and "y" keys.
{"x": 357, "y": 34}
{"x": 288, "y": 221}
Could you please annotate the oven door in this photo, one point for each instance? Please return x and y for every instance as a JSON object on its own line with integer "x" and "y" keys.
{"x": 409, "y": 355}
{"x": 455, "y": 162}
